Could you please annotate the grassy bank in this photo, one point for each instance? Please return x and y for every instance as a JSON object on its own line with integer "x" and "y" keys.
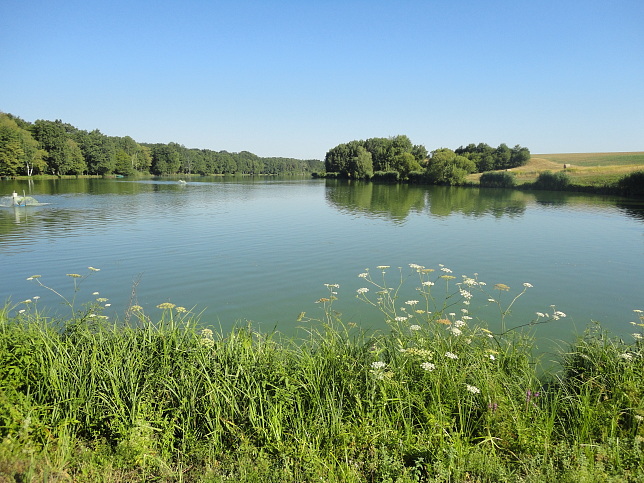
{"x": 586, "y": 171}
{"x": 435, "y": 398}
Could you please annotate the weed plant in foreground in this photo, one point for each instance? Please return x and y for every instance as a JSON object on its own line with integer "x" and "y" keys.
{"x": 436, "y": 397}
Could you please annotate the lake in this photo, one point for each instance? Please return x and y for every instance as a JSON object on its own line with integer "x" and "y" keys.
{"x": 261, "y": 249}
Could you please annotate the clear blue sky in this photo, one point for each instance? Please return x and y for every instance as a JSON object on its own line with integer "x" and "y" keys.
{"x": 296, "y": 78}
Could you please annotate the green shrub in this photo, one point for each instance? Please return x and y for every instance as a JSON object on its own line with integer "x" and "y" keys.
{"x": 417, "y": 177}
{"x": 552, "y": 181}
{"x": 497, "y": 179}
{"x": 632, "y": 184}
{"x": 386, "y": 176}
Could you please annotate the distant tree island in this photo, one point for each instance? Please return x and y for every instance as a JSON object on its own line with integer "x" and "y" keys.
{"x": 396, "y": 158}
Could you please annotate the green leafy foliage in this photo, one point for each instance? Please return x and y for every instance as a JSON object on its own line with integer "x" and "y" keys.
{"x": 54, "y": 147}
{"x": 552, "y": 181}
{"x": 448, "y": 168}
{"x": 64, "y": 155}
{"x": 497, "y": 180}
{"x": 632, "y": 184}
{"x": 387, "y": 155}
{"x": 487, "y": 158}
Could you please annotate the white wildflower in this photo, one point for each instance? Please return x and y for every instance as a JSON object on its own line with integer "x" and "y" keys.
{"x": 363, "y": 275}
{"x": 626, "y": 356}
{"x": 428, "y": 366}
{"x": 451, "y": 355}
{"x": 400, "y": 319}
{"x": 455, "y": 331}
{"x": 473, "y": 389}
{"x": 527, "y": 285}
{"x": 378, "y": 365}
{"x": 459, "y": 323}
{"x": 637, "y": 335}
{"x": 206, "y": 342}
{"x": 362, "y": 290}
{"x": 411, "y": 302}
{"x": 446, "y": 270}
{"x": 428, "y": 284}
{"x": 540, "y": 314}
{"x": 206, "y": 333}
{"x": 414, "y": 327}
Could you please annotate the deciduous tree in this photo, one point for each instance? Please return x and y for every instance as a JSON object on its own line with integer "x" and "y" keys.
{"x": 447, "y": 167}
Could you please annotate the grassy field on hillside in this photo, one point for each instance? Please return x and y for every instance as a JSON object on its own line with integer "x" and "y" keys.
{"x": 585, "y": 169}
{"x": 594, "y": 159}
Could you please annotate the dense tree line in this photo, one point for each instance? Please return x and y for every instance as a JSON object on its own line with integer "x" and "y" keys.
{"x": 397, "y": 158}
{"x": 487, "y": 158}
{"x": 54, "y": 147}
{"x": 361, "y": 159}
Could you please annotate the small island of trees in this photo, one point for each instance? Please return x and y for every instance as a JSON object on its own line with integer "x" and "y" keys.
{"x": 396, "y": 158}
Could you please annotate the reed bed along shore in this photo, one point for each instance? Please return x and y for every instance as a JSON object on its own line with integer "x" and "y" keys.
{"x": 436, "y": 397}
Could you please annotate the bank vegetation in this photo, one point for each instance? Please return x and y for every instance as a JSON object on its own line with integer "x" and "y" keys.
{"x": 436, "y": 397}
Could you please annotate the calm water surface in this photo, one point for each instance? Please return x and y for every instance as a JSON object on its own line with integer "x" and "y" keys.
{"x": 262, "y": 250}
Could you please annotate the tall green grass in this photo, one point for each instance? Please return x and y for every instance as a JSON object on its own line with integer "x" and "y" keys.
{"x": 434, "y": 398}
